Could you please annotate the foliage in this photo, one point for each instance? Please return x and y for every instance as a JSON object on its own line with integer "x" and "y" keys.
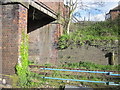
{"x": 14, "y": 79}
{"x": 63, "y": 41}
{"x": 42, "y": 82}
{"x": 22, "y": 66}
{"x": 92, "y": 66}
{"x": 105, "y": 30}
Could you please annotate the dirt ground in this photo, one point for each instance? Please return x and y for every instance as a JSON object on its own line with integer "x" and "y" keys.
{"x": 89, "y": 54}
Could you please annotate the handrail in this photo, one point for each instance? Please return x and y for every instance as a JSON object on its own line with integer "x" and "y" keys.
{"x": 108, "y": 73}
{"x": 85, "y": 71}
{"x": 39, "y": 66}
{"x": 105, "y": 82}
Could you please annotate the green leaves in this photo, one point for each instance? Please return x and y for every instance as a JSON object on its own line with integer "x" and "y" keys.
{"x": 22, "y": 69}
{"x": 107, "y": 30}
{"x": 63, "y": 41}
{"x": 92, "y": 66}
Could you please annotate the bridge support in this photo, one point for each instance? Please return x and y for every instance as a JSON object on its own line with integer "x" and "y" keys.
{"x": 14, "y": 20}
{"x": 16, "y": 17}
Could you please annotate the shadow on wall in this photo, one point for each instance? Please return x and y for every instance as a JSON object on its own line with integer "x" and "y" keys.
{"x": 37, "y": 19}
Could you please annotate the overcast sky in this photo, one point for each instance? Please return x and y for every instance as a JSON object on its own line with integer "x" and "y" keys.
{"x": 94, "y": 12}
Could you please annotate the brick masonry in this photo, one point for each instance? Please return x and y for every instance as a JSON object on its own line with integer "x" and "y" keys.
{"x": 42, "y": 40}
{"x": 57, "y": 6}
{"x": 114, "y": 14}
{"x": 0, "y": 40}
{"x": 14, "y": 20}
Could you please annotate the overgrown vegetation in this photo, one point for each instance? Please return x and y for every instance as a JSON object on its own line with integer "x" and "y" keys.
{"x": 97, "y": 31}
{"x": 91, "y": 66}
{"x": 22, "y": 66}
{"x": 76, "y": 75}
{"x": 26, "y": 79}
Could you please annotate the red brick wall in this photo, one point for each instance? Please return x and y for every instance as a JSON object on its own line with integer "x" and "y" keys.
{"x": 66, "y": 11}
{"x": 14, "y": 20}
{"x": 56, "y": 6}
{"x": 114, "y": 14}
{"x": 0, "y": 40}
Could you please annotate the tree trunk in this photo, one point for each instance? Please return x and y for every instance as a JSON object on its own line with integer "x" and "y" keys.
{"x": 69, "y": 22}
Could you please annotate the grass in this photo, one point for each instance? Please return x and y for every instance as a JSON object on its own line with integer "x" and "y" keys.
{"x": 99, "y": 31}
{"x": 92, "y": 66}
{"x": 95, "y": 32}
{"x": 70, "y": 75}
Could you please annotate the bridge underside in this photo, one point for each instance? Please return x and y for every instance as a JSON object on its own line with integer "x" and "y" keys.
{"x": 37, "y": 19}
{"x": 33, "y": 18}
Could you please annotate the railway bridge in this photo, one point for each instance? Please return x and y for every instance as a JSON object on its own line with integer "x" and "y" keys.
{"x": 38, "y": 19}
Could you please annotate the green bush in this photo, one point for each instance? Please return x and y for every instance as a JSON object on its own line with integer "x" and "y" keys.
{"x": 63, "y": 41}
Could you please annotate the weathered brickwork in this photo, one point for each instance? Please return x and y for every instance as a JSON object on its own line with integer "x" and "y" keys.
{"x": 114, "y": 14}
{"x": 14, "y": 20}
{"x": 57, "y": 6}
{"x": 9, "y": 37}
{"x": 42, "y": 40}
{"x": 0, "y": 40}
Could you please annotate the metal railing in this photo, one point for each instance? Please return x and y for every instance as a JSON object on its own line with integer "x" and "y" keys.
{"x": 105, "y": 82}
{"x": 108, "y": 73}
{"x": 85, "y": 71}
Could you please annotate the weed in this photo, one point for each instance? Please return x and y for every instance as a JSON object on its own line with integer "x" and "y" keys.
{"x": 22, "y": 66}
{"x": 92, "y": 66}
{"x": 93, "y": 33}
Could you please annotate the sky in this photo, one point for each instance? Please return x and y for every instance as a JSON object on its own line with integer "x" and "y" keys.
{"x": 93, "y": 12}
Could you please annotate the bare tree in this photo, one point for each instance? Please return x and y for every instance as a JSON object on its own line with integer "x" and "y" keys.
{"x": 72, "y": 6}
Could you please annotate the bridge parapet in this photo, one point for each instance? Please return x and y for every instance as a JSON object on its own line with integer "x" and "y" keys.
{"x": 55, "y": 5}
{"x": 49, "y": 8}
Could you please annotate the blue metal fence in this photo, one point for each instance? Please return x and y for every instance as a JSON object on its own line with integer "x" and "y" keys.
{"x": 105, "y": 82}
{"x": 101, "y": 72}
{"x": 108, "y": 73}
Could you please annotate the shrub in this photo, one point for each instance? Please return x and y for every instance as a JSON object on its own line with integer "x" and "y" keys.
{"x": 63, "y": 41}
{"x": 105, "y": 30}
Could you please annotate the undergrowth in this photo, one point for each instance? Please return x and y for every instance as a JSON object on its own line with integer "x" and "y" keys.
{"x": 99, "y": 31}
{"x": 76, "y": 75}
{"x": 91, "y": 66}
{"x": 22, "y": 66}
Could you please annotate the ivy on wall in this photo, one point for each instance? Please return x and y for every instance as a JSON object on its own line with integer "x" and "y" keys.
{"x": 22, "y": 66}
